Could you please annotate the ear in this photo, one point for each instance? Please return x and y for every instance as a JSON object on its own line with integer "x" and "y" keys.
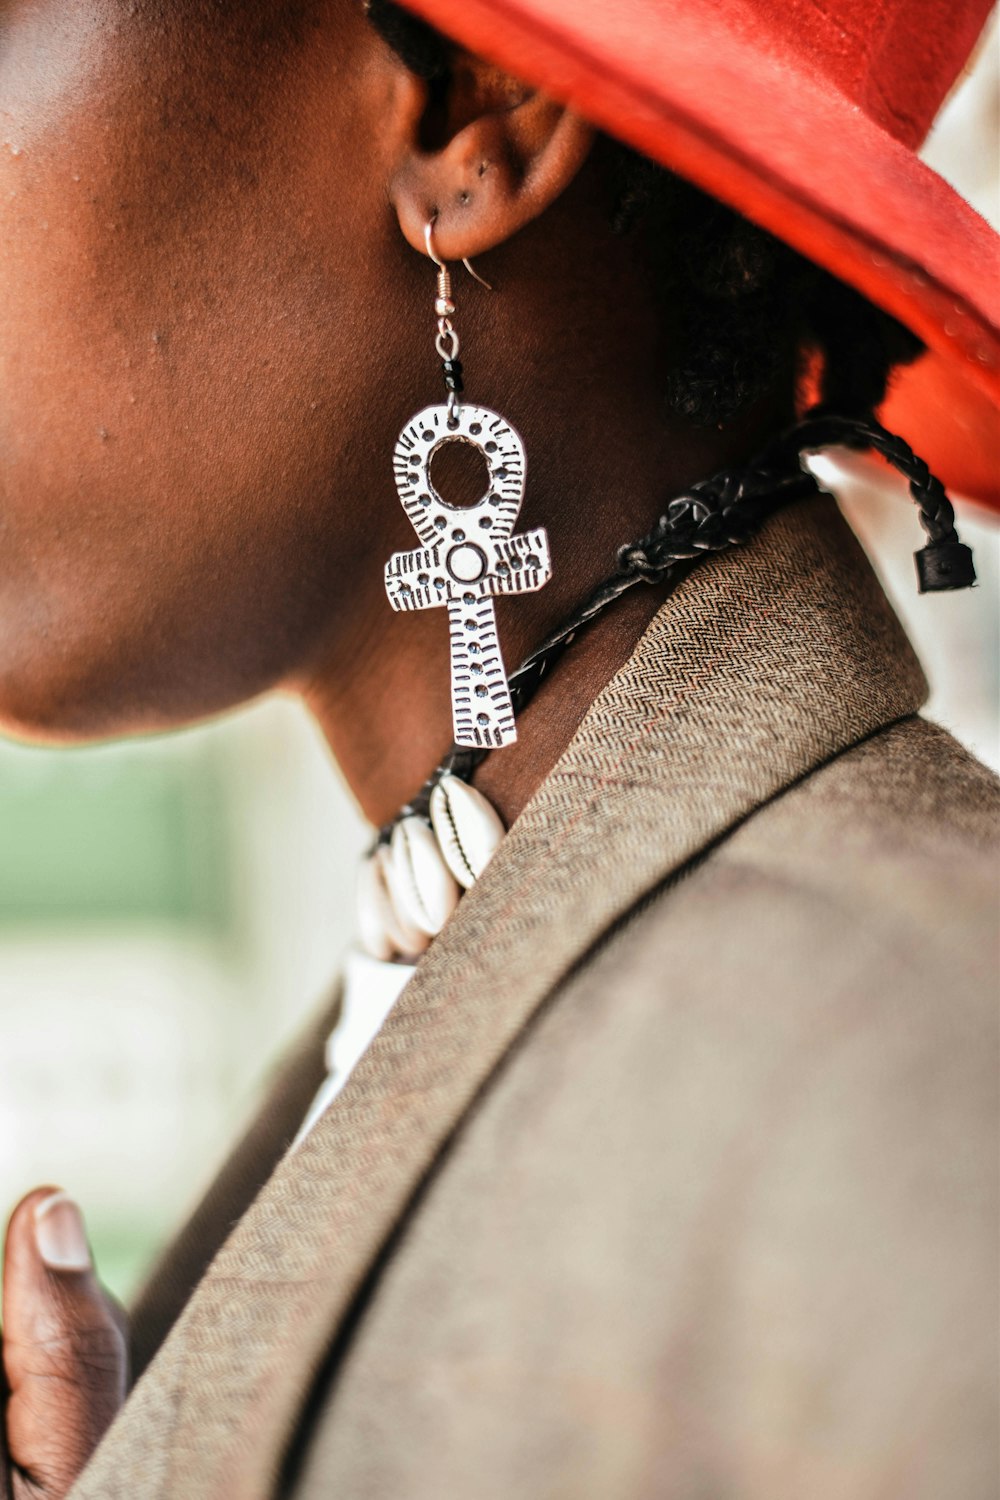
{"x": 482, "y": 157}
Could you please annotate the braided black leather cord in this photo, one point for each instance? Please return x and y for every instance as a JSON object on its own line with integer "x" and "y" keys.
{"x": 712, "y": 516}
{"x": 819, "y": 430}
{"x": 725, "y": 511}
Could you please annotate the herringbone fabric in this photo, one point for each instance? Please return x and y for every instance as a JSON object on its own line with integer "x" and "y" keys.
{"x": 244, "y": 1174}
{"x": 725, "y": 1223}
{"x": 765, "y": 665}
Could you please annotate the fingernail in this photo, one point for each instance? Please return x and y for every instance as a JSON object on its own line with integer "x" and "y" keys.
{"x": 60, "y": 1235}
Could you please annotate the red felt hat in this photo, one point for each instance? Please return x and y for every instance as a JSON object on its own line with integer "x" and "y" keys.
{"x": 806, "y": 117}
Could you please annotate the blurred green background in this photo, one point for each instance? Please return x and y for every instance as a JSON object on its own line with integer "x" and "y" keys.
{"x": 170, "y": 909}
{"x": 116, "y": 837}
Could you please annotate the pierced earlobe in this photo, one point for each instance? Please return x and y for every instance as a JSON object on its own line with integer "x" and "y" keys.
{"x": 494, "y": 175}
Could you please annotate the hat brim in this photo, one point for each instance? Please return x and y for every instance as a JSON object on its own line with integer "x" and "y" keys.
{"x": 731, "y": 110}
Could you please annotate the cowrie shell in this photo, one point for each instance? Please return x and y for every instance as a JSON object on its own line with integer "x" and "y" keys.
{"x": 382, "y": 933}
{"x": 424, "y": 890}
{"x": 373, "y": 911}
{"x": 408, "y": 939}
{"x": 467, "y": 828}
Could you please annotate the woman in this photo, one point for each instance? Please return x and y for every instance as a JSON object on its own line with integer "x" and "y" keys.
{"x": 669, "y": 1171}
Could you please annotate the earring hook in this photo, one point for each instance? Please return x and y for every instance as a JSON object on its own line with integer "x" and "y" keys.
{"x": 441, "y": 265}
{"x": 429, "y": 242}
{"x": 475, "y": 275}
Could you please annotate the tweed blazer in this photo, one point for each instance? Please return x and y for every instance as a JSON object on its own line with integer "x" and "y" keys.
{"x": 672, "y": 1174}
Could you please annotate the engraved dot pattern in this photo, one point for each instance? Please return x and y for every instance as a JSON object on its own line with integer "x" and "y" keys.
{"x": 470, "y": 554}
{"x": 500, "y": 446}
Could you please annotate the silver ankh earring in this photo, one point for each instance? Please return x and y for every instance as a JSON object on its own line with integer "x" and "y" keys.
{"x": 470, "y": 554}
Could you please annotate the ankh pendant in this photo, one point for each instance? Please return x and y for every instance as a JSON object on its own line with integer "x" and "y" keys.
{"x": 470, "y": 555}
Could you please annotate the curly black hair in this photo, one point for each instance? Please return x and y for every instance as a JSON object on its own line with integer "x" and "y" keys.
{"x": 741, "y": 300}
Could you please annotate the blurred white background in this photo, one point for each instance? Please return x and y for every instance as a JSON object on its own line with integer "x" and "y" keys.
{"x": 170, "y": 909}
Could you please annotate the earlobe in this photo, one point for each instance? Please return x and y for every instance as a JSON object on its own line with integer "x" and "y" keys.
{"x": 494, "y": 175}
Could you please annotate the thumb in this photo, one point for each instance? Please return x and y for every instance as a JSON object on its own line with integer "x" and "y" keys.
{"x": 63, "y": 1351}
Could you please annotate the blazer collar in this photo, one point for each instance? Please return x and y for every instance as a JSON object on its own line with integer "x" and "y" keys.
{"x": 765, "y": 663}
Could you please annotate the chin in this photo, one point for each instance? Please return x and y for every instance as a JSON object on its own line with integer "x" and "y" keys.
{"x": 90, "y": 676}
{"x": 45, "y": 718}
{"x": 59, "y": 699}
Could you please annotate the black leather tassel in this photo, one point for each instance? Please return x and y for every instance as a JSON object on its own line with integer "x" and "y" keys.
{"x": 944, "y": 565}
{"x": 945, "y": 562}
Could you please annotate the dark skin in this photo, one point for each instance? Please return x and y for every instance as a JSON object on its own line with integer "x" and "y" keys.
{"x": 217, "y": 314}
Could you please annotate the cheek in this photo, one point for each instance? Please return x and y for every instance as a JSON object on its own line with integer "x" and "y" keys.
{"x": 179, "y": 383}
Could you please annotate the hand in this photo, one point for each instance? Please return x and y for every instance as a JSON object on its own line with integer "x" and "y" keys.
{"x": 64, "y": 1351}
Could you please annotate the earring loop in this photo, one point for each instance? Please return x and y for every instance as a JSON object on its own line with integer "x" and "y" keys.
{"x": 429, "y": 242}
{"x": 442, "y": 265}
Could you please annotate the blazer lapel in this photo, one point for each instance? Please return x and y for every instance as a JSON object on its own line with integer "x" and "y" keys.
{"x": 246, "y": 1170}
{"x": 764, "y": 664}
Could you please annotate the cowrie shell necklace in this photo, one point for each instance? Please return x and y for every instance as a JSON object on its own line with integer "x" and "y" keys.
{"x": 411, "y": 882}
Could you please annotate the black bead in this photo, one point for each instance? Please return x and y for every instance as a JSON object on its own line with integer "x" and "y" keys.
{"x": 453, "y": 375}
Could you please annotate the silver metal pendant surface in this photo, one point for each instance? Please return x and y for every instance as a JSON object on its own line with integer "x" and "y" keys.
{"x": 470, "y": 555}
{"x": 467, "y": 827}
